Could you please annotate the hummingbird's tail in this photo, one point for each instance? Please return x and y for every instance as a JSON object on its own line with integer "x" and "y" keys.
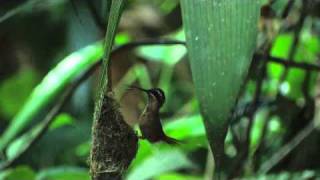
{"x": 171, "y": 141}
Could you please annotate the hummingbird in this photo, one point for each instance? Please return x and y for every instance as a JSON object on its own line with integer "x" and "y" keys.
{"x": 149, "y": 121}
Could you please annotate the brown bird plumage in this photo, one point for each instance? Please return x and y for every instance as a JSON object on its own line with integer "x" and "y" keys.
{"x": 149, "y": 121}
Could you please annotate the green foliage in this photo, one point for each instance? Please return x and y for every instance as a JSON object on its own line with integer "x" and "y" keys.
{"x": 186, "y": 128}
{"x": 189, "y": 130}
{"x": 122, "y": 38}
{"x": 307, "y": 51}
{"x": 19, "y": 145}
{"x": 169, "y": 55}
{"x": 136, "y": 73}
{"x": 11, "y": 96}
{"x": 45, "y": 92}
{"x": 304, "y": 175}
{"x": 63, "y": 173}
{"x": 25, "y": 7}
{"x": 21, "y": 173}
{"x": 60, "y": 120}
{"x": 257, "y": 130}
{"x": 160, "y": 162}
{"x": 221, "y": 38}
{"x": 56, "y": 173}
{"x": 220, "y": 49}
{"x": 176, "y": 176}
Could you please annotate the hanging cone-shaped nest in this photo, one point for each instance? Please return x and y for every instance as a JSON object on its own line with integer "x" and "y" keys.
{"x": 114, "y": 142}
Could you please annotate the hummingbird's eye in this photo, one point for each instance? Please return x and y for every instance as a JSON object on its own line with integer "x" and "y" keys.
{"x": 159, "y": 94}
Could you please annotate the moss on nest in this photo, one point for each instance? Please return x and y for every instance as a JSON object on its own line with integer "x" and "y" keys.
{"x": 115, "y": 143}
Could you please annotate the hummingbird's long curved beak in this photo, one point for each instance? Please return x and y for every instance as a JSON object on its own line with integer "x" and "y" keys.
{"x": 138, "y": 88}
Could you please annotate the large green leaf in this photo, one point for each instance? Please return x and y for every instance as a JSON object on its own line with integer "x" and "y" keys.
{"x": 221, "y": 37}
{"x": 49, "y": 88}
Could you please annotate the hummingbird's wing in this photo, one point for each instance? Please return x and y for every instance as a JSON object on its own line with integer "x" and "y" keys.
{"x": 151, "y": 127}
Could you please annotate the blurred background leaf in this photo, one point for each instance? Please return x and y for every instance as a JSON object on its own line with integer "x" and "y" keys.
{"x": 11, "y": 90}
{"x": 21, "y": 172}
{"x": 51, "y": 85}
{"x": 62, "y": 173}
